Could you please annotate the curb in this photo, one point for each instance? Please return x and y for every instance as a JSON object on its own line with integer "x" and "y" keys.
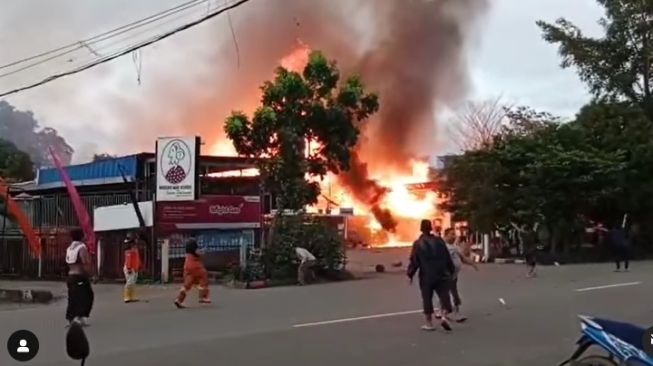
{"x": 26, "y": 296}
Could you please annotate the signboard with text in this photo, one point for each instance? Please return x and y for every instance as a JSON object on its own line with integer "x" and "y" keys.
{"x": 176, "y": 168}
{"x": 215, "y": 212}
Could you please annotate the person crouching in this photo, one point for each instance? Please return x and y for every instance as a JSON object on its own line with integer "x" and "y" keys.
{"x": 194, "y": 275}
{"x": 131, "y": 268}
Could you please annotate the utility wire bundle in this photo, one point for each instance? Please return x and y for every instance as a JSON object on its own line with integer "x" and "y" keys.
{"x": 107, "y": 46}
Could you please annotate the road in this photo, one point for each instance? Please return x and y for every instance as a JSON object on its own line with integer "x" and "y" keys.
{"x": 369, "y": 322}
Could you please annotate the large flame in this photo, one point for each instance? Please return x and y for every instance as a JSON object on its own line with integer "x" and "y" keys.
{"x": 406, "y": 206}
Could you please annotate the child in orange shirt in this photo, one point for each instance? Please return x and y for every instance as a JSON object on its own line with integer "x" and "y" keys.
{"x": 131, "y": 268}
{"x": 194, "y": 275}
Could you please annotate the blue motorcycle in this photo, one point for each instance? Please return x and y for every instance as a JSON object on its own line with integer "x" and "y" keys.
{"x": 621, "y": 341}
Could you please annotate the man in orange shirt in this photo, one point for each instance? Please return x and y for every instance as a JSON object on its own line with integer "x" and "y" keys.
{"x": 131, "y": 268}
{"x": 194, "y": 275}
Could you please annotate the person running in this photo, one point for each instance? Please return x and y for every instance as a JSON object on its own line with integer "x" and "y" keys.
{"x": 131, "y": 268}
{"x": 194, "y": 275}
{"x": 80, "y": 271}
{"x": 430, "y": 257}
{"x": 621, "y": 247}
{"x": 306, "y": 261}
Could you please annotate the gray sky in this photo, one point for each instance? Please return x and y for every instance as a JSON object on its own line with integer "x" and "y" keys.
{"x": 513, "y": 60}
{"x": 508, "y": 58}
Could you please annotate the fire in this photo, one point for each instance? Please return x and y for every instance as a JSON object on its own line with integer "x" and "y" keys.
{"x": 298, "y": 58}
{"x": 406, "y": 206}
{"x": 223, "y": 147}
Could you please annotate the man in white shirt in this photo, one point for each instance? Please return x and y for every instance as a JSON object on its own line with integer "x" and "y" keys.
{"x": 306, "y": 261}
{"x": 458, "y": 258}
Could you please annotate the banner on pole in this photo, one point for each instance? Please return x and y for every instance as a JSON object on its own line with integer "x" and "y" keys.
{"x": 80, "y": 210}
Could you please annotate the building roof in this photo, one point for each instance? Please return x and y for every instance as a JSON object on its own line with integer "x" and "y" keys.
{"x": 95, "y": 173}
{"x": 108, "y": 171}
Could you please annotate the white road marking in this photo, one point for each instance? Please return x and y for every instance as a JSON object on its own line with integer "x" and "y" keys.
{"x": 608, "y": 286}
{"x": 347, "y": 320}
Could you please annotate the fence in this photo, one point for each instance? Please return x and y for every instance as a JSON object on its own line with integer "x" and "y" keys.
{"x": 52, "y": 216}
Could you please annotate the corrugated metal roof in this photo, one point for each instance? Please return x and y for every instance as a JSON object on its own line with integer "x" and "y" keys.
{"x": 98, "y": 172}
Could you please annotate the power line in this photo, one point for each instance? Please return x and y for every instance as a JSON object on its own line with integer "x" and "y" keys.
{"x": 86, "y": 43}
{"x": 127, "y": 50}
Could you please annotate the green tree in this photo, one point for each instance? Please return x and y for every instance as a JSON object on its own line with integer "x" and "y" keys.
{"x": 297, "y": 111}
{"x": 617, "y": 66}
{"x": 621, "y": 128}
{"x": 533, "y": 172}
{"x": 15, "y": 165}
{"x": 23, "y": 130}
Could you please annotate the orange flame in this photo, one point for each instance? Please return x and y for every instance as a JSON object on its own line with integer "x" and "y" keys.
{"x": 407, "y": 207}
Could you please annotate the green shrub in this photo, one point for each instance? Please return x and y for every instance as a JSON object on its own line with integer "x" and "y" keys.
{"x": 307, "y": 232}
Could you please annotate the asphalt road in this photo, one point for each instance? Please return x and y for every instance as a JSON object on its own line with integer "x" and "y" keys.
{"x": 370, "y": 322}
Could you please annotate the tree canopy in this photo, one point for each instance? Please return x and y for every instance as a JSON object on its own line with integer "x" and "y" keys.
{"x": 306, "y": 126}
{"x": 22, "y": 129}
{"x": 564, "y": 175}
{"x": 542, "y": 171}
{"x": 616, "y": 66}
{"x": 15, "y": 165}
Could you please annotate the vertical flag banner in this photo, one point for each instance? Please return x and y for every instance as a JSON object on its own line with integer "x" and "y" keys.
{"x": 23, "y": 221}
{"x": 80, "y": 209}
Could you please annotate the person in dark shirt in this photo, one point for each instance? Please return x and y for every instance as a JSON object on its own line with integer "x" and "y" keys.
{"x": 430, "y": 257}
{"x": 621, "y": 247}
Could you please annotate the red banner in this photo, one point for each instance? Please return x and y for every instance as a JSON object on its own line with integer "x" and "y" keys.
{"x": 211, "y": 212}
{"x": 14, "y": 210}
{"x": 78, "y": 205}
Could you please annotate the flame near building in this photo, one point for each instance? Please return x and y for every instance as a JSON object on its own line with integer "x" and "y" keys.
{"x": 411, "y": 52}
{"x": 393, "y": 213}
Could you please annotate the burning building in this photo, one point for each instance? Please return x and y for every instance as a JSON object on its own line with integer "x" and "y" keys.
{"x": 412, "y": 53}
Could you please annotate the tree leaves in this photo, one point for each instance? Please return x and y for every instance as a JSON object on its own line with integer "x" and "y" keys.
{"x": 536, "y": 170}
{"x": 616, "y": 67}
{"x": 15, "y": 165}
{"x": 306, "y": 126}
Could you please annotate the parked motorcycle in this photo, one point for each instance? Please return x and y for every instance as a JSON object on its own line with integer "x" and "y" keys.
{"x": 623, "y": 343}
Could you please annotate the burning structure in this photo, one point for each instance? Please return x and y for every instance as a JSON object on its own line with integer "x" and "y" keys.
{"x": 413, "y": 55}
{"x": 411, "y": 52}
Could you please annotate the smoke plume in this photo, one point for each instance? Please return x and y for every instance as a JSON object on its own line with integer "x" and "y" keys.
{"x": 412, "y": 52}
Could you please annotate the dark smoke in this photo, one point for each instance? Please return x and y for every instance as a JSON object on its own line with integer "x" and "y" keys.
{"x": 412, "y": 52}
{"x": 368, "y": 191}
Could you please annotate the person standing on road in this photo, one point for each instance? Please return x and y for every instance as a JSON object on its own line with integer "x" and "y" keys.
{"x": 131, "y": 268}
{"x": 306, "y": 262}
{"x": 621, "y": 247}
{"x": 528, "y": 239}
{"x": 431, "y": 258}
{"x": 80, "y": 271}
{"x": 458, "y": 259}
{"x": 194, "y": 275}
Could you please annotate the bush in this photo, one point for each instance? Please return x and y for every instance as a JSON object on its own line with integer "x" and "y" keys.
{"x": 307, "y": 232}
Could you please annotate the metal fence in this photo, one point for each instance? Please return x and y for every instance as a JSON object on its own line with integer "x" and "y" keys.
{"x": 52, "y": 217}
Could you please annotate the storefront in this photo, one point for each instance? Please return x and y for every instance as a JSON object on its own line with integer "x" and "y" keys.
{"x": 221, "y": 225}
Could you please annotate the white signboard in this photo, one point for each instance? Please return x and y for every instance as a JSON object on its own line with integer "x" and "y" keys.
{"x": 176, "y": 168}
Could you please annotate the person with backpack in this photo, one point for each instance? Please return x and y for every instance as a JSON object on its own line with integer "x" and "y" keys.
{"x": 80, "y": 272}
